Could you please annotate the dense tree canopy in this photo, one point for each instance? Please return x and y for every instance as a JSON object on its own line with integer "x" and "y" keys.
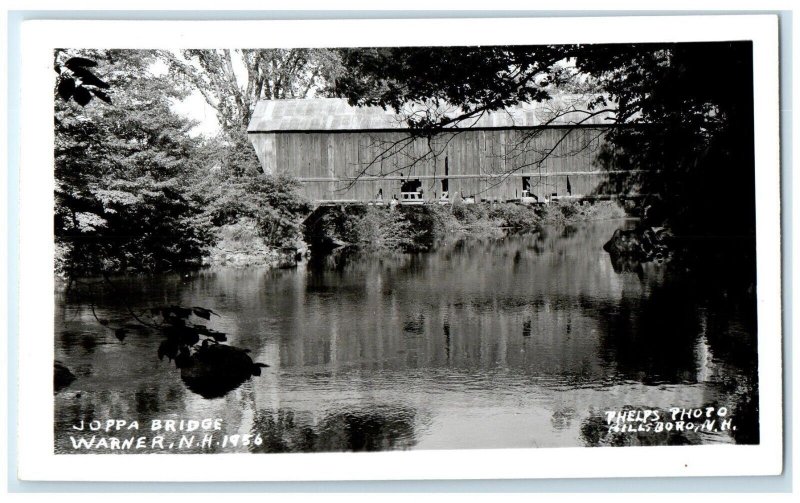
{"x": 134, "y": 189}
{"x": 683, "y": 111}
{"x": 473, "y": 79}
{"x": 691, "y": 105}
{"x": 121, "y": 172}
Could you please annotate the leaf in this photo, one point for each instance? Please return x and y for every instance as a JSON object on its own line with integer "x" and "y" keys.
{"x": 202, "y": 312}
{"x": 183, "y": 358}
{"x": 218, "y": 336}
{"x": 66, "y": 86}
{"x": 89, "y": 222}
{"x": 190, "y": 337}
{"x": 257, "y": 368}
{"x": 103, "y": 96}
{"x": 168, "y": 349}
{"x": 82, "y": 96}
{"x": 89, "y": 79}
{"x": 174, "y": 321}
{"x": 180, "y": 312}
{"x": 78, "y": 62}
{"x": 120, "y": 333}
{"x": 182, "y": 335}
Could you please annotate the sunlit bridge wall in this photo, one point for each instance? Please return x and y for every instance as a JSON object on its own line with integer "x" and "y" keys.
{"x": 344, "y": 153}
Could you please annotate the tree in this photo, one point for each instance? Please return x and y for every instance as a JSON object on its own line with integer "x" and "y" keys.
{"x": 232, "y": 82}
{"x": 691, "y": 105}
{"x": 466, "y": 81}
{"x": 267, "y": 74}
{"x": 123, "y": 174}
{"x": 684, "y": 111}
{"x": 75, "y": 80}
{"x": 441, "y": 91}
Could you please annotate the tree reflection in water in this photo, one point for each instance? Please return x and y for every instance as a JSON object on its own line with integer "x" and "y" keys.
{"x": 596, "y": 433}
{"x": 519, "y": 341}
{"x": 375, "y": 429}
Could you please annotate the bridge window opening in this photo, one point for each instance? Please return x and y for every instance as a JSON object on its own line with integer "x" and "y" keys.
{"x": 411, "y": 192}
{"x": 526, "y": 186}
{"x": 445, "y": 181}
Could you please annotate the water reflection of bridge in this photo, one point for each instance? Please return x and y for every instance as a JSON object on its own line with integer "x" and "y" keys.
{"x": 520, "y": 330}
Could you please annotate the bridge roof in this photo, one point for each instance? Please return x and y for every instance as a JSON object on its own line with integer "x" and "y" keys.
{"x": 335, "y": 114}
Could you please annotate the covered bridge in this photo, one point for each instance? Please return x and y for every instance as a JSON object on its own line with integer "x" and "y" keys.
{"x": 341, "y": 153}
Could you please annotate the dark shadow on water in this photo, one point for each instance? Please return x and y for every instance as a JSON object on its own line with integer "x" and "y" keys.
{"x": 652, "y": 341}
{"x": 215, "y": 370}
{"x": 375, "y": 429}
{"x": 622, "y": 264}
{"x": 595, "y": 432}
{"x": 62, "y": 376}
{"x": 545, "y": 312}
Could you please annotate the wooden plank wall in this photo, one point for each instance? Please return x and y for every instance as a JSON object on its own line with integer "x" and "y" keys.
{"x": 327, "y": 162}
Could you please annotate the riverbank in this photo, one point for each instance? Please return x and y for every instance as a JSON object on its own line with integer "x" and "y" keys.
{"x": 380, "y": 229}
{"x": 418, "y": 228}
{"x": 241, "y": 244}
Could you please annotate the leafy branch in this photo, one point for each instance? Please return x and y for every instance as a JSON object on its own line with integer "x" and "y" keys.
{"x": 77, "y": 82}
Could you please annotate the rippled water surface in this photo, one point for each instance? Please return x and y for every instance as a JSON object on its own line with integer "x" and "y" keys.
{"x": 522, "y": 341}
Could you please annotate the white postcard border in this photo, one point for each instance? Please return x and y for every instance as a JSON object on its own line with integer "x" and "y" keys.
{"x": 36, "y": 317}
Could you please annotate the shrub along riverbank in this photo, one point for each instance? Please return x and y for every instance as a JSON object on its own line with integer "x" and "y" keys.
{"x": 418, "y": 228}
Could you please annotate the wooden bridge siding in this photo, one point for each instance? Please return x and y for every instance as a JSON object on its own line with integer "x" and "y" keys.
{"x": 325, "y": 155}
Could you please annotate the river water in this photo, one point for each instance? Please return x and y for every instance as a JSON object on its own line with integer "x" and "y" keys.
{"x": 516, "y": 341}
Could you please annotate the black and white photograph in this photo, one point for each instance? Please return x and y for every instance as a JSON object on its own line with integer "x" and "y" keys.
{"x": 411, "y": 247}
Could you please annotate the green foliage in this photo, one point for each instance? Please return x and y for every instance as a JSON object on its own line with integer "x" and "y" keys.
{"x": 472, "y": 217}
{"x": 75, "y": 81}
{"x": 691, "y": 104}
{"x": 468, "y": 214}
{"x": 516, "y": 216}
{"x": 568, "y": 210}
{"x": 380, "y": 229}
{"x": 405, "y": 228}
{"x": 414, "y": 228}
{"x": 135, "y": 191}
{"x": 372, "y": 228}
{"x": 572, "y": 212}
{"x": 272, "y": 202}
{"x": 474, "y": 79}
{"x": 122, "y": 173}
{"x": 260, "y": 74}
